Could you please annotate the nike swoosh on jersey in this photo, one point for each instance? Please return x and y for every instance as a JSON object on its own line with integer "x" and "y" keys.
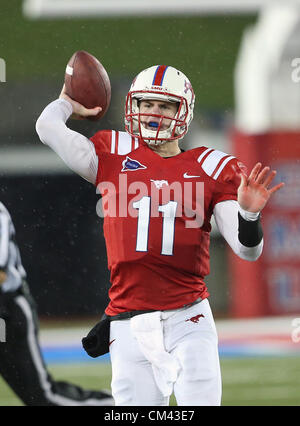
{"x": 189, "y": 176}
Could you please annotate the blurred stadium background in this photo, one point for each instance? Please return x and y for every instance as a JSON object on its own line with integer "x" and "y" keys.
{"x": 243, "y": 59}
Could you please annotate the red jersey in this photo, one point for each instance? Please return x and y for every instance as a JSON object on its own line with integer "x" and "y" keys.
{"x": 157, "y": 214}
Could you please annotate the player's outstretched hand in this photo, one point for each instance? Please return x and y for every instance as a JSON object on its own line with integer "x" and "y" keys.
{"x": 254, "y": 191}
{"x": 79, "y": 111}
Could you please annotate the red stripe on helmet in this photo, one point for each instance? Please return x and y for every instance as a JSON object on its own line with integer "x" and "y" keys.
{"x": 159, "y": 75}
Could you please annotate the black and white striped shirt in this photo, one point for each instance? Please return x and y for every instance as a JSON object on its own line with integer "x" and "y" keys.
{"x": 10, "y": 259}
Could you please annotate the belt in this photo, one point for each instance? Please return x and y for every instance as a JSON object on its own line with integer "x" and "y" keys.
{"x": 130, "y": 314}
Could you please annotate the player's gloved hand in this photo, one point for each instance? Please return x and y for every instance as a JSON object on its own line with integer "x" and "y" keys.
{"x": 254, "y": 191}
{"x": 96, "y": 343}
{"x": 80, "y": 112}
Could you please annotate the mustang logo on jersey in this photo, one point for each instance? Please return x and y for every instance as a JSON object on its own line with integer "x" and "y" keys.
{"x": 131, "y": 165}
{"x": 159, "y": 183}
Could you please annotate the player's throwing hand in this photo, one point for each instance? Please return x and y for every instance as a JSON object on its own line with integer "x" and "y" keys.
{"x": 79, "y": 111}
{"x": 254, "y": 191}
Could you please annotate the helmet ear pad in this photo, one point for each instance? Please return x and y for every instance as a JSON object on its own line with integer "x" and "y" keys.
{"x": 175, "y": 87}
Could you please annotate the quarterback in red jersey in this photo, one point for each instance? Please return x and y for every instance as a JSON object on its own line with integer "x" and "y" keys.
{"x": 157, "y": 206}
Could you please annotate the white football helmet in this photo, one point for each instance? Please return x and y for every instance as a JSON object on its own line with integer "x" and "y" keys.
{"x": 165, "y": 83}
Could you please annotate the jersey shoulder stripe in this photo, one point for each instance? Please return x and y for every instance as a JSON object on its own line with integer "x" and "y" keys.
{"x": 221, "y": 166}
{"x": 114, "y": 142}
{"x": 213, "y": 162}
{"x": 123, "y": 143}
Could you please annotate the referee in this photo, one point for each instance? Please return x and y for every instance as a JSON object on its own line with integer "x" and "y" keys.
{"x": 21, "y": 362}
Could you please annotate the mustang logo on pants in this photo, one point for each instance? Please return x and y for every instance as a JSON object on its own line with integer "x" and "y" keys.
{"x": 195, "y": 318}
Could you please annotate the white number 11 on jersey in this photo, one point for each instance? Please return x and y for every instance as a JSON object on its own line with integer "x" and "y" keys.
{"x": 169, "y": 213}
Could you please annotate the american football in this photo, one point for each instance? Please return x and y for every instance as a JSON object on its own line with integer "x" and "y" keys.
{"x": 87, "y": 82}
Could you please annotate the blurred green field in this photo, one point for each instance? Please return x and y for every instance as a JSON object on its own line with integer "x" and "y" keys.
{"x": 204, "y": 47}
{"x": 246, "y": 381}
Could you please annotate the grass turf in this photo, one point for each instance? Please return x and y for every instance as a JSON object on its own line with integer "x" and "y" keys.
{"x": 246, "y": 381}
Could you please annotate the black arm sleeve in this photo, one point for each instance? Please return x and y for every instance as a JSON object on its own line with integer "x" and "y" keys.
{"x": 250, "y": 232}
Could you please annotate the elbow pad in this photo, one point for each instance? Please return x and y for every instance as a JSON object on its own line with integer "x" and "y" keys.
{"x": 250, "y": 232}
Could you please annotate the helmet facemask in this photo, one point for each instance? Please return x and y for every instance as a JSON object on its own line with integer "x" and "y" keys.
{"x": 134, "y": 118}
{"x": 145, "y": 90}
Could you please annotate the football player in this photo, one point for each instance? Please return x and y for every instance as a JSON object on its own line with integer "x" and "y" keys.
{"x": 158, "y": 202}
{"x": 22, "y": 364}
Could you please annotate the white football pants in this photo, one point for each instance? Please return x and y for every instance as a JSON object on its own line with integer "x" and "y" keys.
{"x": 189, "y": 335}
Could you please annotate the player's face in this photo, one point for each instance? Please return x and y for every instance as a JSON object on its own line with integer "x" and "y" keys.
{"x": 157, "y": 108}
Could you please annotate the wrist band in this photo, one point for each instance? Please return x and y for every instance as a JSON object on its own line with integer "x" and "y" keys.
{"x": 250, "y": 232}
